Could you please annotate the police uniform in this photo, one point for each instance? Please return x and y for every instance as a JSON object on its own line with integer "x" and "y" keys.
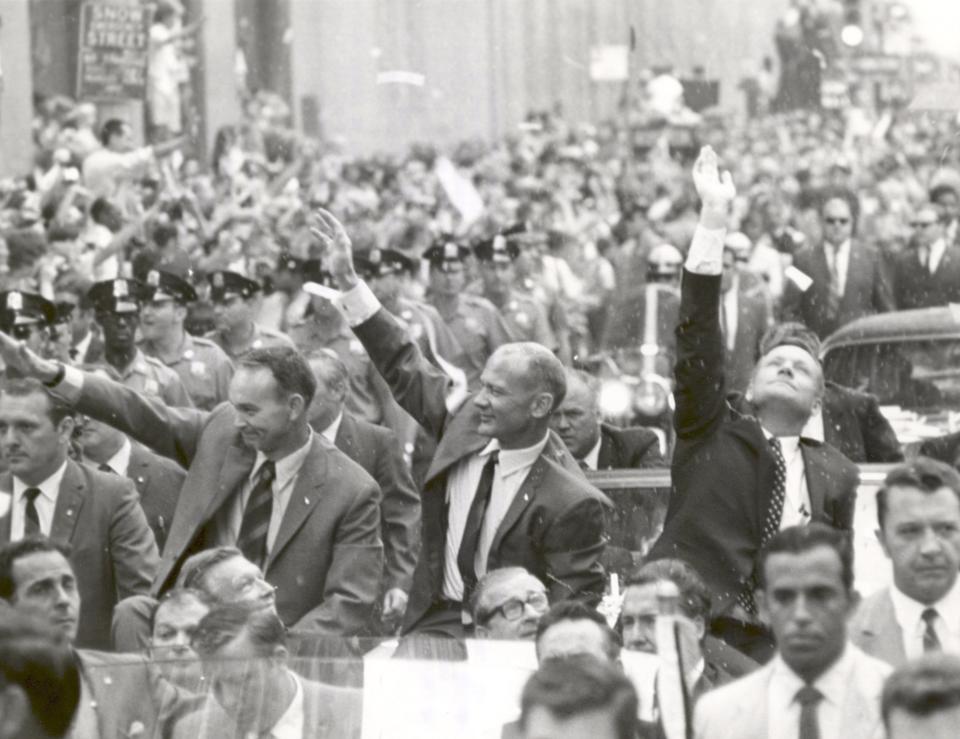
{"x": 144, "y": 374}
{"x": 526, "y": 318}
{"x": 225, "y": 285}
{"x": 475, "y": 321}
{"x": 278, "y": 311}
{"x": 202, "y": 366}
{"x": 23, "y": 313}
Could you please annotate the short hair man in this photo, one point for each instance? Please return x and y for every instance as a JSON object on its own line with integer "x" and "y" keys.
{"x": 922, "y": 699}
{"x": 927, "y": 270}
{"x": 39, "y": 680}
{"x": 817, "y": 681}
{"x": 253, "y": 691}
{"x": 508, "y": 604}
{"x": 119, "y": 163}
{"x": 571, "y": 627}
{"x": 918, "y": 512}
{"x": 174, "y": 623}
{"x": 594, "y": 444}
{"x": 579, "y": 696}
{"x": 98, "y": 515}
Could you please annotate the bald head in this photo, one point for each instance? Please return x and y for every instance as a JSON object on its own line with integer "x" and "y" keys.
{"x": 577, "y": 419}
{"x": 538, "y": 367}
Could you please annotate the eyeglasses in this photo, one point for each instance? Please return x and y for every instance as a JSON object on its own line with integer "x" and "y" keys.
{"x": 513, "y": 609}
{"x": 923, "y": 224}
{"x": 836, "y": 221}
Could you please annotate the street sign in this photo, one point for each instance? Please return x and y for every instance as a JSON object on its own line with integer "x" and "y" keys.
{"x": 113, "y": 50}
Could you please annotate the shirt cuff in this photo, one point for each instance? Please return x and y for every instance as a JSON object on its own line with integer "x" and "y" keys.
{"x": 70, "y": 387}
{"x": 358, "y": 304}
{"x": 706, "y": 251}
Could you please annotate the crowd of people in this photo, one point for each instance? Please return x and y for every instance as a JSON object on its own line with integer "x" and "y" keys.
{"x": 299, "y": 401}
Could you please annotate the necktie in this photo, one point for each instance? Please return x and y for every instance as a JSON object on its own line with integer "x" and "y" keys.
{"x": 931, "y": 642}
{"x": 771, "y": 522}
{"x": 471, "y": 531}
{"x": 31, "y": 522}
{"x": 252, "y": 540}
{"x": 104, "y": 467}
{"x": 809, "y": 698}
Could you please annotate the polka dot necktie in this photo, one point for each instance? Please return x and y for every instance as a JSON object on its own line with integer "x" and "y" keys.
{"x": 771, "y": 522}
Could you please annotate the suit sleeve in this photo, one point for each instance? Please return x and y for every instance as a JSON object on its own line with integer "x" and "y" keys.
{"x": 572, "y": 549}
{"x": 648, "y": 452}
{"x": 700, "y": 381}
{"x": 353, "y": 578}
{"x": 418, "y": 386}
{"x": 883, "y": 298}
{"x": 400, "y": 511}
{"x": 175, "y": 393}
{"x": 879, "y": 438}
{"x": 133, "y": 550}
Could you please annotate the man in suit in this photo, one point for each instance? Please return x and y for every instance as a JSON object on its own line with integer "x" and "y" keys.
{"x": 158, "y": 480}
{"x": 508, "y": 604}
{"x": 597, "y": 445}
{"x": 501, "y": 489}
{"x": 918, "y": 510}
{"x": 117, "y": 698}
{"x": 738, "y": 478}
{"x": 253, "y": 692}
{"x": 377, "y": 450}
{"x": 928, "y": 271}
{"x": 818, "y": 684}
{"x": 257, "y": 477}
{"x": 947, "y": 197}
{"x": 923, "y": 699}
{"x": 843, "y": 278}
{"x": 745, "y": 317}
{"x": 46, "y": 493}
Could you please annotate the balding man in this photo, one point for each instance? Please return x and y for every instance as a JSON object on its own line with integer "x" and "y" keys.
{"x": 502, "y": 489}
{"x": 597, "y": 445}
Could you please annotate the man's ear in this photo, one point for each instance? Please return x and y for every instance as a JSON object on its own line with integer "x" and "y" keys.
{"x": 66, "y": 427}
{"x": 279, "y": 653}
{"x": 297, "y": 404}
{"x": 542, "y": 405}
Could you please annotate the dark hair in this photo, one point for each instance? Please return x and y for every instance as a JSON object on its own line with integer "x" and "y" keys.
{"x": 695, "y": 596}
{"x": 163, "y": 234}
{"x": 581, "y": 684}
{"x": 800, "y": 539}
{"x": 925, "y": 686}
{"x": 15, "y": 550}
{"x": 177, "y": 597}
{"x": 331, "y": 370}
{"x": 847, "y": 196}
{"x": 196, "y": 567}
{"x": 33, "y": 657}
{"x": 224, "y": 623}
{"x": 937, "y": 191}
{"x": 288, "y": 367}
{"x": 113, "y": 127}
{"x": 21, "y": 387}
{"x": 575, "y": 610}
{"x": 923, "y": 473}
{"x": 100, "y": 208}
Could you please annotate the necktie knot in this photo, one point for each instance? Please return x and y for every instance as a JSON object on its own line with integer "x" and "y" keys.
{"x": 31, "y": 494}
{"x": 809, "y": 696}
{"x": 267, "y": 473}
{"x": 104, "y": 467}
{"x": 931, "y": 640}
{"x": 929, "y": 615}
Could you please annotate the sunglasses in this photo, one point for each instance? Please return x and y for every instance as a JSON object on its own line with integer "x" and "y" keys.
{"x": 923, "y": 224}
{"x": 836, "y": 221}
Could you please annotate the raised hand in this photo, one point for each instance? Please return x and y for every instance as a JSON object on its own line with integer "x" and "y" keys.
{"x": 17, "y": 356}
{"x": 716, "y": 190}
{"x": 337, "y": 249}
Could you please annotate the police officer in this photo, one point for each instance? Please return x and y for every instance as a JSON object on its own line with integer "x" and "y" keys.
{"x": 236, "y": 300}
{"x": 287, "y": 305}
{"x": 525, "y": 317}
{"x": 28, "y": 317}
{"x": 474, "y": 320}
{"x": 202, "y": 366}
{"x": 117, "y": 309}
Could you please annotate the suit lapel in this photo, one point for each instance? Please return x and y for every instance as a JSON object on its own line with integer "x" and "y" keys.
{"x": 237, "y": 466}
{"x": 881, "y": 629}
{"x": 521, "y": 500}
{"x": 304, "y": 497}
{"x": 70, "y": 500}
{"x": 458, "y": 441}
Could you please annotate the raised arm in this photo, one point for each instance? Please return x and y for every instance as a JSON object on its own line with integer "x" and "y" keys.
{"x": 700, "y": 393}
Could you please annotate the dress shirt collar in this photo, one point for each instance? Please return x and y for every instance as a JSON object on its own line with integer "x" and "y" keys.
{"x": 592, "y": 459}
{"x": 49, "y": 488}
{"x": 120, "y": 462}
{"x": 515, "y": 460}
{"x": 835, "y": 251}
{"x": 788, "y": 444}
{"x": 286, "y": 468}
{"x": 290, "y": 724}
{"x": 330, "y": 432}
{"x": 937, "y": 248}
{"x": 832, "y": 684}
{"x": 908, "y": 611}
{"x": 814, "y": 426}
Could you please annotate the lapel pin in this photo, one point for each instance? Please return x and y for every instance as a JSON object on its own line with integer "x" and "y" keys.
{"x": 69, "y": 511}
{"x": 108, "y": 680}
{"x": 306, "y": 501}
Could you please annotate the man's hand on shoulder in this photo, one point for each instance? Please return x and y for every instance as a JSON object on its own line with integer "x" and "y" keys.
{"x": 716, "y": 189}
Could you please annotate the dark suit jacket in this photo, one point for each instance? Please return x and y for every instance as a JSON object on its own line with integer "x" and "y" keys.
{"x": 158, "y": 480}
{"x": 945, "y": 448}
{"x": 554, "y": 526}
{"x": 722, "y": 467}
{"x": 636, "y": 447}
{"x": 869, "y": 289}
{"x": 853, "y": 424}
{"x": 377, "y": 450}
{"x": 129, "y": 701}
{"x": 326, "y": 561}
{"x": 113, "y": 552}
{"x": 915, "y": 287}
{"x": 753, "y": 319}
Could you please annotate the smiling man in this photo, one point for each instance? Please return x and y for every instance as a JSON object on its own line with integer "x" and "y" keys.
{"x": 918, "y": 509}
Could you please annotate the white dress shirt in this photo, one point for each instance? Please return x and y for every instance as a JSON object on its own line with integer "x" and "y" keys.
{"x": 509, "y": 474}
{"x": 287, "y": 470}
{"x": 291, "y": 724}
{"x": 947, "y": 624}
{"x": 120, "y": 461}
{"x": 937, "y": 248}
{"x": 45, "y": 503}
{"x": 730, "y": 305}
{"x": 796, "y": 503}
{"x": 783, "y": 710}
{"x": 331, "y": 431}
{"x": 838, "y": 259}
{"x": 592, "y": 460}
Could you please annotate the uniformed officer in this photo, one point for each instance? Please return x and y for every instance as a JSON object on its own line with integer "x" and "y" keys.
{"x": 287, "y": 305}
{"x": 525, "y": 317}
{"x": 203, "y": 366}
{"x": 117, "y": 309}
{"x": 28, "y": 317}
{"x": 474, "y": 320}
{"x": 236, "y": 300}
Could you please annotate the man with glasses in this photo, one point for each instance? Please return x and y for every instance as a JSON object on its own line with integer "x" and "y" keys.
{"x": 928, "y": 271}
{"x": 842, "y": 278}
{"x": 508, "y": 604}
{"x": 117, "y": 305}
{"x": 236, "y": 302}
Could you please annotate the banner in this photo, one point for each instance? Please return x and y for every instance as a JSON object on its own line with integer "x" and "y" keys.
{"x": 112, "y": 61}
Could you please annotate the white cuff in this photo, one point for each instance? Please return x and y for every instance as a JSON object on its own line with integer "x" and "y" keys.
{"x": 70, "y": 387}
{"x": 706, "y": 251}
{"x": 358, "y": 304}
